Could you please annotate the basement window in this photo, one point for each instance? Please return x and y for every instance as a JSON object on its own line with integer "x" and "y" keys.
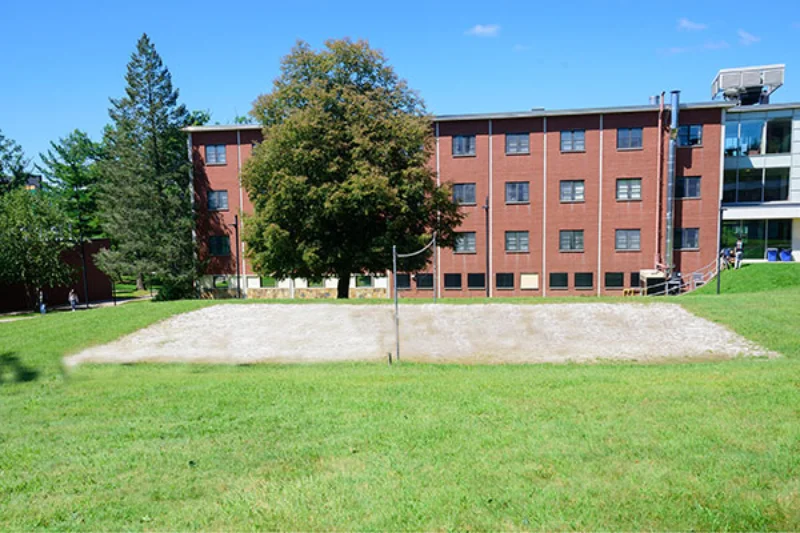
{"x": 559, "y": 280}
{"x": 615, "y": 280}
{"x": 452, "y": 281}
{"x": 584, "y": 280}
{"x": 403, "y": 282}
{"x": 505, "y": 280}
{"x": 424, "y": 281}
{"x": 476, "y": 281}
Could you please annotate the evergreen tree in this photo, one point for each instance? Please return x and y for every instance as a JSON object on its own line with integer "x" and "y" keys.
{"x": 145, "y": 193}
{"x": 70, "y": 168}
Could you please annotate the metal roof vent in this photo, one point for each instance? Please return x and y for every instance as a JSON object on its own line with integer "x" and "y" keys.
{"x": 748, "y": 85}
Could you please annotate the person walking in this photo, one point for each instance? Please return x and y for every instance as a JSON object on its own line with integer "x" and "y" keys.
{"x": 72, "y": 299}
{"x": 42, "y": 303}
{"x": 739, "y": 252}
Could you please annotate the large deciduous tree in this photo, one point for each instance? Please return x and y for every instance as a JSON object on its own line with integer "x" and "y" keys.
{"x": 145, "y": 193}
{"x": 343, "y": 172}
{"x": 13, "y": 165}
{"x": 34, "y": 232}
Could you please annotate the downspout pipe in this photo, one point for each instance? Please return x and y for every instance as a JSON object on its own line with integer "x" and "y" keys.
{"x": 659, "y": 180}
{"x": 669, "y": 228}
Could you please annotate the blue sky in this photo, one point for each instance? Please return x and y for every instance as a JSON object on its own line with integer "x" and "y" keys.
{"x": 63, "y": 60}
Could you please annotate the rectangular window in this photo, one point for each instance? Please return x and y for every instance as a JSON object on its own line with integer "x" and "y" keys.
{"x": 215, "y": 154}
{"x": 505, "y": 281}
{"x": 750, "y": 186}
{"x": 615, "y": 280}
{"x": 779, "y": 136}
{"x": 516, "y": 241}
{"x": 219, "y": 245}
{"x": 217, "y": 200}
{"x": 688, "y": 187}
{"x": 464, "y": 193}
{"x": 476, "y": 281}
{"x": 424, "y": 281}
{"x": 571, "y": 191}
{"x": 584, "y": 280}
{"x": 776, "y": 184}
{"x": 403, "y": 282}
{"x": 517, "y": 192}
{"x": 517, "y": 143}
{"x": 629, "y": 138}
{"x": 750, "y": 136}
{"x": 628, "y": 239}
{"x": 629, "y": 189}
{"x": 463, "y": 145}
{"x": 732, "y": 147}
{"x": 268, "y": 282}
{"x": 635, "y": 279}
{"x": 363, "y": 282}
{"x": 529, "y": 282}
{"x": 687, "y": 238}
{"x": 559, "y": 280}
{"x": 452, "y": 281}
{"x": 570, "y": 240}
{"x": 729, "y": 187}
{"x": 465, "y": 242}
{"x": 573, "y": 141}
{"x": 690, "y": 135}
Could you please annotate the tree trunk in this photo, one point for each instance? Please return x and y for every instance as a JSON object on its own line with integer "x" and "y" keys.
{"x": 140, "y": 282}
{"x": 343, "y": 287}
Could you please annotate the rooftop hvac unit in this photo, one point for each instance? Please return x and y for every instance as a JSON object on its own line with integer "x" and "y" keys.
{"x": 748, "y": 85}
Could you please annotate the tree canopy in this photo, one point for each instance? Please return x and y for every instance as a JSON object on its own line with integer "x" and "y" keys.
{"x": 34, "y": 232}
{"x": 13, "y": 165}
{"x": 71, "y": 170}
{"x": 145, "y": 194}
{"x": 343, "y": 172}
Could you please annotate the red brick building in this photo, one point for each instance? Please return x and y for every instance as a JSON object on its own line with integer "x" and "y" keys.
{"x": 561, "y": 202}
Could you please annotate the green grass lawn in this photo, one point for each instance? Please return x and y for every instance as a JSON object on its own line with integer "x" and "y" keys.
{"x": 702, "y": 446}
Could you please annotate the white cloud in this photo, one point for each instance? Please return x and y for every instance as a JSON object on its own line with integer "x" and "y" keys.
{"x": 521, "y": 48}
{"x": 685, "y": 24}
{"x": 746, "y": 38}
{"x": 716, "y": 45}
{"x": 483, "y": 30}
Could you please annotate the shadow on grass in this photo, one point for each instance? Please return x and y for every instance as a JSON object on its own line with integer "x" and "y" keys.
{"x": 13, "y": 371}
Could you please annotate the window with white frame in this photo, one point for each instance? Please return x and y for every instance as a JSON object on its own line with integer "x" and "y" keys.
{"x": 217, "y": 200}
{"x": 516, "y": 241}
{"x": 465, "y": 242}
{"x": 517, "y": 192}
{"x": 517, "y": 143}
{"x": 571, "y": 191}
{"x": 215, "y": 154}
{"x": 628, "y": 239}
{"x": 629, "y": 189}
{"x": 570, "y": 240}
{"x": 573, "y": 140}
{"x": 463, "y": 145}
{"x": 464, "y": 193}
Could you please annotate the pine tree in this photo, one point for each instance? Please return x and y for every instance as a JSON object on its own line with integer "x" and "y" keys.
{"x": 145, "y": 194}
{"x": 13, "y": 165}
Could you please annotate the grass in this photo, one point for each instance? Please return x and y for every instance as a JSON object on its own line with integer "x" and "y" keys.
{"x": 708, "y": 446}
{"x": 756, "y": 278}
{"x": 127, "y": 289}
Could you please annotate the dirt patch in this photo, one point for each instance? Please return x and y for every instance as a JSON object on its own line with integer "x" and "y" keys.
{"x": 489, "y": 333}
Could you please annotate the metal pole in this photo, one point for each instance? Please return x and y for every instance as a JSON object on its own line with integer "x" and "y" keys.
{"x": 435, "y": 279}
{"x": 486, "y": 210}
{"x": 719, "y": 250}
{"x": 396, "y": 306}
{"x": 238, "y": 251}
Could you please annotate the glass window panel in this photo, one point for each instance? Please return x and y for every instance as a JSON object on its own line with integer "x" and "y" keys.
{"x": 578, "y": 191}
{"x": 424, "y": 281}
{"x": 559, "y": 280}
{"x": 578, "y": 143}
{"x": 476, "y": 281}
{"x": 615, "y": 280}
{"x": 779, "y": 234}
{"x": 753, "y": 239}
{"x": 732, "y": 145}
{"x": 584, "y": 280}
{"x": 403, "y": 281}
{"x": 776, "y": 184}
{"x": 750, "y": 185}
{"x": 750, "y": 140}
{"x": 452, "y": 281}
{"x": 779, "y": 136}
{"x": 729, "y": 187}
{"x": 504, "y": 281}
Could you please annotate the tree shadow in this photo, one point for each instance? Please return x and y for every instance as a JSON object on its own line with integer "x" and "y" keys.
{"x": 12, "y": 370}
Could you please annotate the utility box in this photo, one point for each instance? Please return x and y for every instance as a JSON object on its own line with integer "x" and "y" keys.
{"x": 653, "y": 282}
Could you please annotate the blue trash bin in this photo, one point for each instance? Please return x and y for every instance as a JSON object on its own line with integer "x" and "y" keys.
{"x": 786, "y": 255}
{"x": 772, "y": 254}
